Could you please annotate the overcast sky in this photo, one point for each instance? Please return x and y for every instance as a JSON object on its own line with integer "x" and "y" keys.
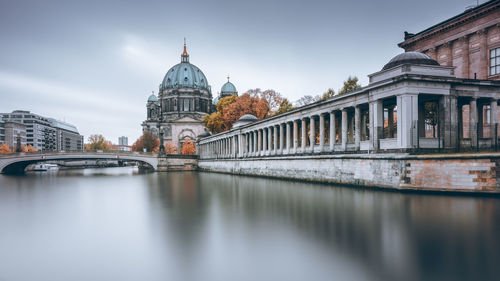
{"x": 94, "y": 63}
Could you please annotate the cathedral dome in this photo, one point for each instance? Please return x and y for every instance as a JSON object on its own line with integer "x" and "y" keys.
{"x": 228, "y": 88}
{"x": 410, "y": 57}
{"x": 152, "y": 98}
{"x": 184, "y": 75}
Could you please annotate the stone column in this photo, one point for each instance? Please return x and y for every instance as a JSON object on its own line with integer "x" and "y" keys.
{"x": 321, "y": 131}
{"x": 483, "y": 71}
{"x": 344, "y": 129}
{"x": 303, "y": 135}
{"x": 240, "y": 145}
{"x": 282, "y": 138}
{"x": 255, "y": 143}
{"x": 275, "y": 129}
{"x": 357, "y": 126}
{"x": 259, "y": 140}
{"x": 287, "y": 142}
{"x": 493, "y": 119}
{"x": 264, "y": 141}
{"x": 448, "y": 121}
{"x": 332, "y": 131}
{"x": 465, "y": 57}
{"x": 376, "y": 123}
{"x": 269, "y": 140}
{"x": 295, "y": 136}
{"x": 312, "y": 136}
{"x": 473, "y": 122}
{"x": 407, "y": 120}
{"x": 233, "y": 146}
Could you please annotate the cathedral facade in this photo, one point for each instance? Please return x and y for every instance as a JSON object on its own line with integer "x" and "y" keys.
{"x": 184, "y": 98}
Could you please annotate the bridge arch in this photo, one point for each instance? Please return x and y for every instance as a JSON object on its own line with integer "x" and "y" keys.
{"x": 16, "y": 164}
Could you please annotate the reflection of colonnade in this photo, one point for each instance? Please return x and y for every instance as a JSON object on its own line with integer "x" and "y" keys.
{"x": 406, "y": 106}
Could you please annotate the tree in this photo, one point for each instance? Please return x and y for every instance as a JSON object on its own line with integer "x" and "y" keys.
{"x": 98, "y": 142}
{"x": 284, "y": 107}
{"x": 146, "y": 141}
{"x": 4, "y": 149}
{"x": 328, "y": 94}
{"x": 273, "y": 99}
{"x": 350, "y": 85}
{"x": 170, "y": 148}
{"x": 230, "y": 109}
{"x": 188, "y": 147}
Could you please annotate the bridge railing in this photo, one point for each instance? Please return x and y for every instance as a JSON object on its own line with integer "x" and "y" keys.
{"x": 83, "y": 152}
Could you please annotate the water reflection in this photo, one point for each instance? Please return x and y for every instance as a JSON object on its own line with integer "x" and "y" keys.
{"x": 205, "y": 226}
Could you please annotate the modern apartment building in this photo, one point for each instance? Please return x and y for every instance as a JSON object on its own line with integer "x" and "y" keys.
{"x": 46, "y": 134}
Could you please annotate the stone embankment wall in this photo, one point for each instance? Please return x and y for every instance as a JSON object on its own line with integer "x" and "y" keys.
{"x": 177, "y": 163}
{"x": 451, "y": 172}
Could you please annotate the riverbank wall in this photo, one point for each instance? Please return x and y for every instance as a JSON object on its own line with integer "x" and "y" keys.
{"x": 475, "y": 172}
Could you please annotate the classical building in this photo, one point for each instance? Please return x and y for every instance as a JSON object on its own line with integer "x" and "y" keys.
{"x": 44, "y": 133}
{"x": 184, "y": 98}
{"x": 410, "y": 96}
{"x": 469, "y": 41}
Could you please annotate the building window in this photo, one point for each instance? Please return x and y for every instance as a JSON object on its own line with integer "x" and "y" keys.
{"x": 495, "y": 61}
{"x": 186, "y": 104}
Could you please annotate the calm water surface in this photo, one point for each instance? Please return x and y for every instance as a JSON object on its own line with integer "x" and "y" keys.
{"x": 115, "y": 224}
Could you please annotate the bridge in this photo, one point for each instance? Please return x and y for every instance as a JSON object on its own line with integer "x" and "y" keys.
{"x": 16, "y": 163}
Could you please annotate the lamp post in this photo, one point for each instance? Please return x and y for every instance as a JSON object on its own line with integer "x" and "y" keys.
{"x": 161, "y": 151}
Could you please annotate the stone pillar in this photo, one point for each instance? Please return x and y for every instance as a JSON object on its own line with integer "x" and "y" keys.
{"x": 407, "y": 120}
{"x": 473, "y": 122}
{"x": 312, "y": 136}
{"x": 288, "y": 137}
{"x": 448, "y": 121}
{"x": 240, "y": 145}
{"x": 255, "y": 143}
{"x": 493, "y": 119}
{"x": 275, "y": 129}
{"x": 269, "y": 140}
{"x": 483, "y": 71}
{"x": 344, "y": 129}
{"x": 233, "y": 152}
{"x": 264, "y": 141}
{"x": 376, "y": 123}
{"x": 465, "y": 57}
{"x": 321, "y": 131}
{"x": 259, "y": 141}
{"x": 282, "y": 138}
{"x": 332, "y": 131}
{"x": 357, "y": 126}
{"x": 295, "y": 136}
{"x": 303, "y": 135}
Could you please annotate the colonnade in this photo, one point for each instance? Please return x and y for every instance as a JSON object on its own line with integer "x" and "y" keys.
{"x": 396, "y": 122}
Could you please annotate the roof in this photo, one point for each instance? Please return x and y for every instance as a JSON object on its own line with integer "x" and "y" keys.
{"x": 228, "y": 88}
{"x": 410, "y": 57}
{"x": 465, "y": 16}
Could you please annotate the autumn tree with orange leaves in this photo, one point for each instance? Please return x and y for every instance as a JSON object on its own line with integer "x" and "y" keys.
{"x": 230, "y": 109}
{"x": 170, "y": 148}
{"x": 188, "y": 147}
{"x": 146, "y": 141}
{"x": 4, "y": 149}
{"x": 98, "y": 142}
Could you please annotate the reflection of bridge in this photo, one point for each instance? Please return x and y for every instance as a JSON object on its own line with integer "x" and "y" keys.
{"x": 16, "y": 163}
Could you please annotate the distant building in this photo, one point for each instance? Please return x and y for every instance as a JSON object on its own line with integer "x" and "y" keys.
{"x": 67, "y": 136}
{"x": 45, "y": 133}
{"x": 122, "y": 140}
{"x": 13, "y": 132}
{"x": 469, "y": 41}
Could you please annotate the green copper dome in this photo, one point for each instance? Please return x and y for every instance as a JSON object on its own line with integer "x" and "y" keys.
{"x": 184, "y": 75}
{"x": 228, "y": 88}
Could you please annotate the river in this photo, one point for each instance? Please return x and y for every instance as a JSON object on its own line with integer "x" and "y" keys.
{"x": 117, "y": 224}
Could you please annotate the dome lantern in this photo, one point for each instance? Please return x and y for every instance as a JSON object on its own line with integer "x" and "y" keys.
{"x": 185, "y": 55}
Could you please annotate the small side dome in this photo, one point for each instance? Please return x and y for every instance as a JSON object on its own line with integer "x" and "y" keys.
{"x": 410, "y": 57}
{"x": 248, "y": 117}
{"x": 153, "y": 98}
{"x": 228, "y": 88}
